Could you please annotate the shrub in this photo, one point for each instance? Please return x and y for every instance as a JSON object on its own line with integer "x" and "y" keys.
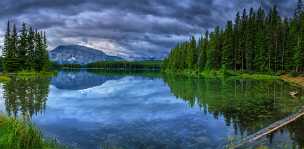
{"x": 293, "y": 74}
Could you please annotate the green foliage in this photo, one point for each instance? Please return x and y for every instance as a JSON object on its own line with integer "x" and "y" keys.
{"x": 255, "y": 42}
{"x": 4, "y": 78}
{"x": 17, "y": 134}
{"x": 246, "y": 104}
{"x": 26, "y": 93}
{"x": 26, "y": 50}
{"x": 293, "y": 74}
{"x": 126, "y": 65}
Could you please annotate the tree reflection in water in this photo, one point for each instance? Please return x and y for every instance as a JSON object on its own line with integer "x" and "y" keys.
{"x": 26, "y": 97}
{"x": 247, "y": 105}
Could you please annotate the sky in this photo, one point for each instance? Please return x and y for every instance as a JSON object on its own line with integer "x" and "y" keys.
{"x": 127, "y": 28}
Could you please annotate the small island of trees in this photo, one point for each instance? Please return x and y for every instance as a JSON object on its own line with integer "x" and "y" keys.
{"x": 24, "y": 50}
{"x": 255, "y": 42}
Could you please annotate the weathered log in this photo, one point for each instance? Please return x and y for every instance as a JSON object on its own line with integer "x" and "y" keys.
{"x": 270, "y": 129}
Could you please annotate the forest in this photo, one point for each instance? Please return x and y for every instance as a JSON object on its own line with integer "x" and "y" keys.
{"x": 256, "y": 41}
{"x": 116, "y": 65}
{"x": 24, "y": 50}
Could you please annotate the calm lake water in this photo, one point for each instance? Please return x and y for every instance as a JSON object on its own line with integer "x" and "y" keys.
{"x": 108, "y": 110}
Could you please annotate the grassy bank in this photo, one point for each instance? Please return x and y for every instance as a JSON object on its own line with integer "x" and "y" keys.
{"x": 4, "y": 78}
{"x": 299, "y": 80}
{"x": 225, "y": 73}
{"x": 35, "y": 73}
{"x": 16, "y": 134}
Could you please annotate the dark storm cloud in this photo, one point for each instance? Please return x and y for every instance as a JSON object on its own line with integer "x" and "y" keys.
{"x": 140, "y": 27}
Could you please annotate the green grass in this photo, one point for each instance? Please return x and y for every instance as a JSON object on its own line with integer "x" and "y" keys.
{"x": 26, "y": 74}
{"x": 258, "y": 76}
{"x": 17, "y": 134}
{"x": 4, "y": 78}
{"x": 225, "y": 74}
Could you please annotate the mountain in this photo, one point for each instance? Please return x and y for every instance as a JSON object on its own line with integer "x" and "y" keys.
{"x": 76, "y": 54}
{"x": 80, "y": 80}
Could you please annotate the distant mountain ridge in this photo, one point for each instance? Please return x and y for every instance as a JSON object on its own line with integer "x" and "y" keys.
{"x": 76, "y": 54}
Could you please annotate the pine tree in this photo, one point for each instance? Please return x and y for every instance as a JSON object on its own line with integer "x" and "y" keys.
{"x": 243, "y": 41}
{"x": 24, "y": 51}
{"x": 228, "y": 47}
{"x": 299, "y": 54}
{"x": 205, "y": 50}
{"x": 203, "y": 46}
{"x": 260, "y": 60}
{"x": 191, "y": 47}
{"x": 23, "y": 46}
{"x": 253, "y": 42}
{"x": 237, "y": 38}
{"x": 12, "y": 62}
{"x": 7, "y": 49}
{"x": 45, "y": 53}
{"x": 38, "y": 52}
{"x": 30, "y": 51}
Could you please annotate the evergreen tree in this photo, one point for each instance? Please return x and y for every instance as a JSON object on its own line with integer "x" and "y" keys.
{"x": 12, "y": 61}
{"x": 23, "y": 46}
{"x": 228, "y": 47}
{"x": 299, "y": 54}
{"x": 236, "y": 38}
{"x": 24, "y": 51}
{"x": 30, "y": 51}
{"x": 255, "y": 41}
{"x": 203, "y": 46}
{"x": 6, "y": 50}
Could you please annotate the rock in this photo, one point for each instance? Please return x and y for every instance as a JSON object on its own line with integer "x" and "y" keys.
{"x": 293, "y": 94}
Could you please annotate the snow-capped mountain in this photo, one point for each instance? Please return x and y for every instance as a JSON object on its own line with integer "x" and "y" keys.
{"x": 76, "y": 54}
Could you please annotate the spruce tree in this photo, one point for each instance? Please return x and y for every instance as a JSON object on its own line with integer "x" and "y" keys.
{"x": 203, "y": 46}
{"x": 30, "y": 51}
{"x": 237, "y": 38}
{"x": 12, "y": 61}
{"x": 253, "y": 42}
{"x": 228, "y": 47}
{"x": 205, "y": 50}
{"x": 7, "y": 47}
{"x": 23, "y": 46}
{"x": 24, "y": 51}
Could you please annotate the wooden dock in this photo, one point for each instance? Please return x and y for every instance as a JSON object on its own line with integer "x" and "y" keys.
{"x": 270, "y": 129}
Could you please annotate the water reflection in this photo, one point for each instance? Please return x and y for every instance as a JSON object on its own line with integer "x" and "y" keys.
{"x": 26, "y": 96}
{"x": 98, "y": 109}
{"x": 80, "y": 79}
{"x": 289, "y": 137}
{"x": 247, "y": 105}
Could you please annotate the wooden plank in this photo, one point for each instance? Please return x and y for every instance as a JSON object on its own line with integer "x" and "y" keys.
{"x": 270, "y": 129}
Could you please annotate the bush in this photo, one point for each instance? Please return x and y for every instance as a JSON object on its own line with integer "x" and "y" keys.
{"x": 301, "y": 75}
{"x": 279, "y": 73}
{"x": 293, "y": 74}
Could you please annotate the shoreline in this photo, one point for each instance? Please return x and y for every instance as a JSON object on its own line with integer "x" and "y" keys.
{"x": 20, "y": 134}
{"x": 298, "y": 81}
{"x": 224, "y": 74}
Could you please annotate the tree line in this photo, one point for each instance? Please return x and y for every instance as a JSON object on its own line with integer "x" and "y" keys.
{"x": 24, "y": 50}
{"x": 116, "y": 65}
{"x": 126, "y": 65}
{"x": 256, "y": 41}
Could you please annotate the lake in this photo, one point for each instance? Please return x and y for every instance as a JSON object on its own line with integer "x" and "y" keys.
{"x": 146, "y": 110}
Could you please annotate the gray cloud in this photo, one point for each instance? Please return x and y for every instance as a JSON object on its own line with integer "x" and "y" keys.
{"x": 128, "y": 27}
